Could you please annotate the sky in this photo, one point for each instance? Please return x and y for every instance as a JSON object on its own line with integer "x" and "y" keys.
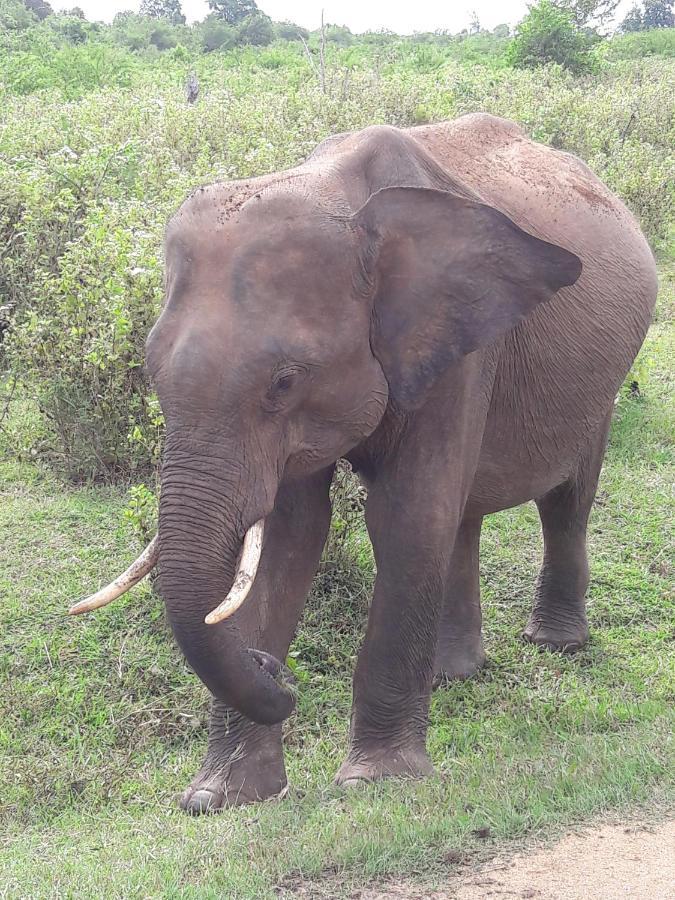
{"x": 359, "y": 15}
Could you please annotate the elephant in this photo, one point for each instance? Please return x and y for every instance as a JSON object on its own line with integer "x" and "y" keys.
{"x": 452, "y": 308}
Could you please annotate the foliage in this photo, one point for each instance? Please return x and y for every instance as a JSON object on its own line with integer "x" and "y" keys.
{"x": 640, "y": 44}
{"x": 288, "y": 31}
{"x": 548, "y": 34}
{"x": 233, "y": 11}
{"x": 216, "y": 35}
{"x": 585, "y": 12}
{"x": 41, "y": 8}
{"x": 650, "y": 14}
{"x": 163, "y": 37}
{"x": 15, "y": 16}
{"x": 339, "y": 34}
{"x": 141, "y": 512}
{"x": 73, "y": 29}
{"x": 163, "y": 9}
{"x": 256, "y": 30}
{"x": 658, "y": 14}
{"x": 71, "y": 72}
{"x": 633, "y": 20}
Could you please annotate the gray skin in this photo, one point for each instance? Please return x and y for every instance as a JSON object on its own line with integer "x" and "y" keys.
{"x": 452, "y": 308}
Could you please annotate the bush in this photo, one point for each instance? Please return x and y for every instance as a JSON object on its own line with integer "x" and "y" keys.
{"x": 659, "y": 42}
{"x": 288, "y": 31}
{"x": 338, "y": 34}
{"x": 14, "y": 15}
{"x": 256, "y": 30}
{"x": 71, "y": 28}
{"x": 215, "y": 35}
{"x": 72, "y": 71}
{"x": 548, "y": 34}
{"x": 163, "y": 36}
{"x": 80, "y": 351}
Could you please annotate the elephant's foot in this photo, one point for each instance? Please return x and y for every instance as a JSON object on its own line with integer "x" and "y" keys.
{"x": 563, "y": 628}
{"x": 234, "y": 774}
{"x": 458, "y": 660}
{"x": 363, "y": 766}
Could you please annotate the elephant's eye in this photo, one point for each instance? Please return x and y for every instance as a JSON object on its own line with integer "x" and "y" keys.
{"x": 284, "y": 381}
{"x": 282, "y": 384}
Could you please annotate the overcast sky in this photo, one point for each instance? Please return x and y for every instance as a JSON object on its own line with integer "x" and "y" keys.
{"x": 360, "y": 15}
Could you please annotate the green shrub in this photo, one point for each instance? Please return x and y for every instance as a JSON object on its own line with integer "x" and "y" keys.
{"x": 80, "y": 350}
{"x": 288, "y": 31}
{"x": 71, "y": 70}
{"x": 15, "y": 16}
{"x": 256, "y": 30}
{"x": 163, "y": 36}
{"x": 548, "y": 34}
{"x": 215, "y": 35}
{"x": 659, "y": 42}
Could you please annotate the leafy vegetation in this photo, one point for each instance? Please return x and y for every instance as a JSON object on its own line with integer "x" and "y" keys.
{"x": 549, "y": 34}
{"x": 649, "y": 14}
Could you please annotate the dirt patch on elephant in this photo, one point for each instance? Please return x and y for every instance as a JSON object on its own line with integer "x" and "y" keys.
{"x": 613, "y": 861}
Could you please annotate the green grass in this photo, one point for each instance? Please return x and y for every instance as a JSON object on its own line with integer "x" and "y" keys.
{"x": 101, "y": 725}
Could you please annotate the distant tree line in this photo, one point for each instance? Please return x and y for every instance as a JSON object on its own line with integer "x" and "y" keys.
{"x": 565, "y": 32}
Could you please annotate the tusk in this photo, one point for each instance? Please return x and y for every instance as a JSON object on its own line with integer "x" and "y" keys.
{"x": 246, "y": 571}
{"x": 135, "y": 573}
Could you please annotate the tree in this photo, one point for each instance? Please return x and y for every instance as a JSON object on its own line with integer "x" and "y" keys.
{"x": 163, "y": 36}
{"x": 338, "y": 34}
{"x": 257, "y": 30}
{"x": 549, "y": 34}
{"x": 163, "y": 9}
{"x": 75, "y": 29}
{"x": 584, "y": 12}
{"x": 233, "y": 11}
{"x": 633, "y": 21}
{"x": 658, "y": 14}
{"x": 289, "y": 31}
{"x": 214, "y": 34}
{"x": 40, "y": 8}
{"x": 123, "y": 17}
{"x": 14, "y": 16}
{"x": 652, "y": 14}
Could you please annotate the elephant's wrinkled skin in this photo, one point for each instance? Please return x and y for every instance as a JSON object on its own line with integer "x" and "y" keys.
{"x": 452, "y": 308}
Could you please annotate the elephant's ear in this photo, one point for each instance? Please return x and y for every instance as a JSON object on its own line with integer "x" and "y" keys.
{"x": 448, "y": 275}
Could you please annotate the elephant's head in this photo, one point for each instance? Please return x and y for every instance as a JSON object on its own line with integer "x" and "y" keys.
{"x": 286, "y": 332}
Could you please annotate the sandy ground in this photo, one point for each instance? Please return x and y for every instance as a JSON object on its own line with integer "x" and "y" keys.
{"x": 606, "y": 863}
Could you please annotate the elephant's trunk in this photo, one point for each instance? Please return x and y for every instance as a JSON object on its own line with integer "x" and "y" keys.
{"x": 201, "y": 530}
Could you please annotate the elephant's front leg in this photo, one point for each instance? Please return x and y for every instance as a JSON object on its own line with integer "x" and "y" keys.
{"x": 244, "y": 761}
{"x": 412, "y": 534}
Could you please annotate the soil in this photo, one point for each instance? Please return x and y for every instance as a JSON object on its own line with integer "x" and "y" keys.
{"x": 608, "y": 862}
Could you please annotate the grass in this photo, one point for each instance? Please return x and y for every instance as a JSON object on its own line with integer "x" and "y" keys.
{"x": 101, "y": 725}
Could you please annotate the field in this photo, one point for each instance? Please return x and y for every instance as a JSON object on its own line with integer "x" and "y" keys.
{"x": 101, "y": 724}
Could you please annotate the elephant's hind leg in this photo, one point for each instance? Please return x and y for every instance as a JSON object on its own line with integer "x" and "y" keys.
{"x": 459, "y": 652}
{"x": 558, "y": 619}
{"x": 244, "y": 761}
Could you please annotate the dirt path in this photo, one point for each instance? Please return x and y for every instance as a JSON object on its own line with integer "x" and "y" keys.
{"x": 608, "y": 863}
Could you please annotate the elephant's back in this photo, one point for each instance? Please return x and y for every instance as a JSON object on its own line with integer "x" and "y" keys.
{"x": 549, "y": 193}
{"x": 559, "y": 370}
